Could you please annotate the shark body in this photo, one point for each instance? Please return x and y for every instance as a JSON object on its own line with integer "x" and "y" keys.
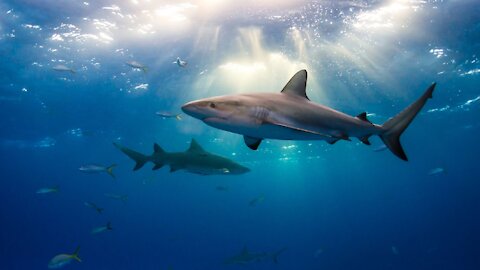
{"x": 290, "y": 115}
{"x": 195, "y": 160}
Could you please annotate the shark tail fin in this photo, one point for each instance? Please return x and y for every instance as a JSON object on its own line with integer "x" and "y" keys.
{"x": 99, "y": 210}
{"x": 110, "y": 170}
{"x": 75, "y": 255}
{"x": 140, "y": 159}
{"x": 395, "y": 126}
{"x": 276, "y": 254}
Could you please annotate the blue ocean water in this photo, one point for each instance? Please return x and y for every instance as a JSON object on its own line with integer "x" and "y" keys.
{"x": 341, "y": 206}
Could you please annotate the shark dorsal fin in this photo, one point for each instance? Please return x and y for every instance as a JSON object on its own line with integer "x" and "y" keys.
{"x": 157, "y": 148}
{"x": 297, "y": 85}
{"x": 195, "y": 147}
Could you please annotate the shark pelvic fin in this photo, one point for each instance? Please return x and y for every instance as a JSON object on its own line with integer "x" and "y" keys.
{"x": 157, "y": 166}
{"x": 365, "y": 140}
{"x": 363, "y": 117}
{"x": 297, "y": 85}
{"x": 174, "y": 168}
{"x": 252, "y": 142}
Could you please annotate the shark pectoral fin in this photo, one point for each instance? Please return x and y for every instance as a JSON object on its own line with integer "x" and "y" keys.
{"x": 332, "y": 140}
{"x": 252, "y": 142}
{"x": 297, "y": 85}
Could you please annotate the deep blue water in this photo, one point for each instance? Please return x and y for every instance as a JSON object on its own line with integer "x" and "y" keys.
{"x": 341, "y": 206}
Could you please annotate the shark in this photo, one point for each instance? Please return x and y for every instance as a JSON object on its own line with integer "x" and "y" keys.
{"x": 291, "y": 115}
{"x": 247, "y": 257}
{"x": 194, "y": 160}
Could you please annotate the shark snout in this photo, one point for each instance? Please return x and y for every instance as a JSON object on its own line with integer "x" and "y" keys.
{"x": 192, "y": 109}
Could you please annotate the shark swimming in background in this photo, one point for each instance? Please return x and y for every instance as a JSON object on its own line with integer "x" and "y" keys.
{"x": 194, "y": 160}
{"x": 290, "y": 115}
{"x": 247, "y": 257}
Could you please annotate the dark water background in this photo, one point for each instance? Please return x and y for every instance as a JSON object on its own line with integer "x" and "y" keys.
{"x": 333, "y": 207}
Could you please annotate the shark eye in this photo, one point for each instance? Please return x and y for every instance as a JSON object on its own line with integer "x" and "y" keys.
{"x": 212, "y": 105}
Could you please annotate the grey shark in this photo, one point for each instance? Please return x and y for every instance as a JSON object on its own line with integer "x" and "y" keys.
{"x": 290, "y": 115}
{"x": 194, "y": 160}
{"x": 247, "y": 257}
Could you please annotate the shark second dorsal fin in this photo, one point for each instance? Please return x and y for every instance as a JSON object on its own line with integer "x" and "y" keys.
{"x": 195, "y": 147}
{"x": 363, "y": 117}
{"x": 297, "y": 85}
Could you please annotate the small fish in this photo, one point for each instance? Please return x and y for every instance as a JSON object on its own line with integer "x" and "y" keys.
{"x": 137, "y": 65}
{"x": 256, "y": 200}
{"x": 101, "y": 229}
{"x": 381, "y": 148}
{"x": 63, "y": 68}
{"x": 180, "y": 62}
{"x": 166, "y": 115}
{"x": 117, "y": 197}
{"x": 221, "y": 188}
{"x": 93, "y": 206}
{"x": 436, "y": 171}
{"x": 92, "y": 168}
{"x": 61, "y": 260}
{"x": 54, "y": 189}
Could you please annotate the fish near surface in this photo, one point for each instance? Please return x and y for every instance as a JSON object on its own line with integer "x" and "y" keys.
{"x": 290, "y": 115}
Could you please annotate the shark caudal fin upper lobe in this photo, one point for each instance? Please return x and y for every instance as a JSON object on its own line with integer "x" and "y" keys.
{"x": 139, "y": 158}
{"x": 395, "y": 126}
